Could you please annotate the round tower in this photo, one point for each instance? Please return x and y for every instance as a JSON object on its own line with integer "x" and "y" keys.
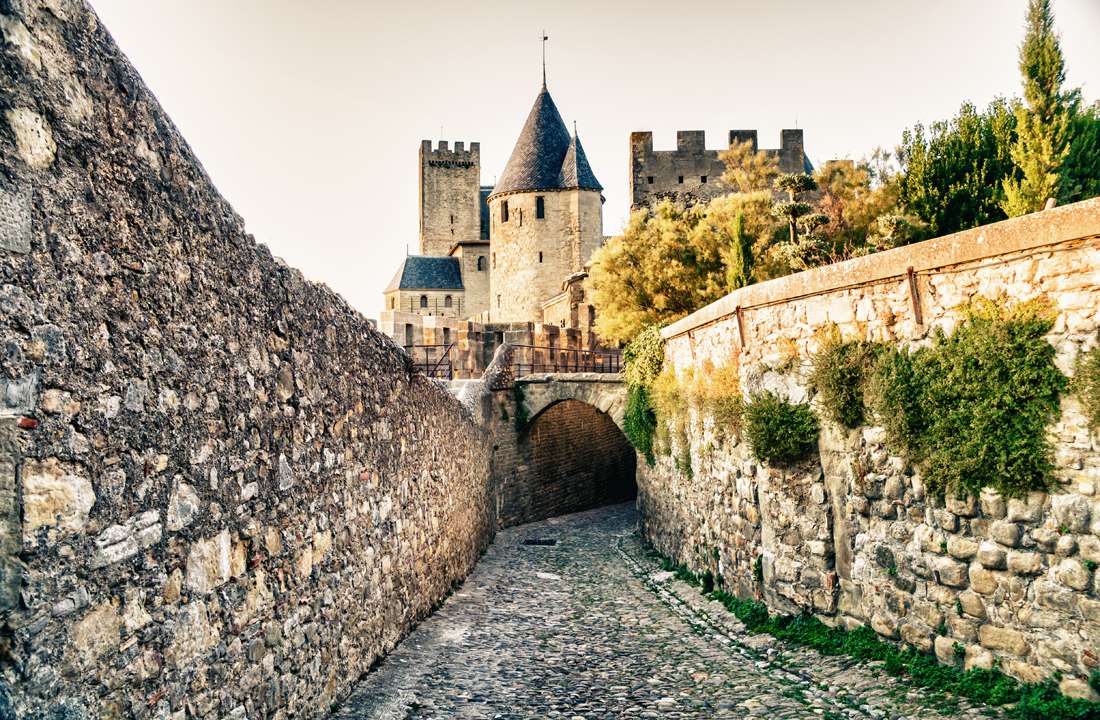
{"x": 546, "y": 216}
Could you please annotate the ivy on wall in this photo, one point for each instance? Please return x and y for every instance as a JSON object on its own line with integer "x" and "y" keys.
{"x": 779, "y": 431}
{"x": 838, "y": 374}
{"x": 1086, "y": 384}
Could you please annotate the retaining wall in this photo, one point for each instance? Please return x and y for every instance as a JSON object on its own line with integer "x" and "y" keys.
{"x": 851, "y": 535}
{"x": 222, "y": 495}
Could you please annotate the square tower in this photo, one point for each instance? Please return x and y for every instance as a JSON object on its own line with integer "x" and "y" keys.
{"x": 450, "y": 209}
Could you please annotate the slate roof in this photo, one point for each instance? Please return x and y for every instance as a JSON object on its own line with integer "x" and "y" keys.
{"x": 483, "y": 194}
{"x": 422, "y": 272}
{"x": 545, "y": 156}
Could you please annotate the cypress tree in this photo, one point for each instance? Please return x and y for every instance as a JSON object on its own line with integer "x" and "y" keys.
{"x": 1042, "y": 123}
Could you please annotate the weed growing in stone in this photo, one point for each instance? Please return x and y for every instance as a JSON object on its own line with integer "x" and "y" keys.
{"x": 1086, "y": 384}
{"x": 779, "y": 431}
{"x": 972, "y": 410}
{"x": 839, "y": 370}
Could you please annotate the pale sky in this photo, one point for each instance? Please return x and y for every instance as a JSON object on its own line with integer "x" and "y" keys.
{"x": 308, "y": 115}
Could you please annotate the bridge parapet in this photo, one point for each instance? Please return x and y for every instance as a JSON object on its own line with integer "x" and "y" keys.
{"x": 605, "y": 392}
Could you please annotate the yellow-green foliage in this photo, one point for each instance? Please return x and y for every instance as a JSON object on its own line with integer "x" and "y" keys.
{"x": 643, "y": 357}
{"x": 973, "y": 409}
{"x": 717, "y": 392}
{"x": 1086, "y": 383}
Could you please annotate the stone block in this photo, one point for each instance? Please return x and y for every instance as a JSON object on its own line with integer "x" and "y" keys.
{"x": 1071, "y": 512}
{"x": 15, "y": 221}
{"x": 945, "y": 650}
{"x": 119, "y": 542}
{"x": 1024, "y": 672}
{"x": 95, "y": 634}
{"x": 993, "y": 504}
{"x": 1089, "y": 548}
{"x": 961, "y": 547}
{"x": 885, "y": 625}
{"x": 1066, "y": 546}
{"x": 981, "y": 580}
{"x": 917, "y": 634}
{"x": 1026, "y": 510}
{"x": 966, "y": 506}
{"x": 951, "y": 573}
{"x": 209, "y": 563}
{"x": 183, "y": 507}
{"x": 977, "y": 657}
{"x": 55, "y": 494}
{"x": 1077, "y": 688}
{"x": 1024, "y": 563}
{"x": 973, "y": 604}
{"x": 1006, "y": 533}
{"x": 1072, "y": 573}
{"x": 1003, "y": 639}
{"x": 992, "y": 556}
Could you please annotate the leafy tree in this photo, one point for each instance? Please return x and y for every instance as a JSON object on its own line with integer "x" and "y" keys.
{"x": 1043, "y": 123}
{"x": 748, "y": 170}
{"x": 794, "y": 184}
{"x": 1081, "y": 170}
{"x": 952, "y": 171}
{"x": 671, "y": 260}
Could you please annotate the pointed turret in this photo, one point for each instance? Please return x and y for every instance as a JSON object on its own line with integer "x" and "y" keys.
{"x": 575, "y": 170}
{"x": 536, "y": 160}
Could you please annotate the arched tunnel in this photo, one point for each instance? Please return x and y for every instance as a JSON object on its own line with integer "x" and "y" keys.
{"x": 570, "y": 457}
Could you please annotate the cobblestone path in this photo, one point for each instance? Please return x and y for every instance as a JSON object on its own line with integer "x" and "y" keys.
{"x": 588, "y": 628}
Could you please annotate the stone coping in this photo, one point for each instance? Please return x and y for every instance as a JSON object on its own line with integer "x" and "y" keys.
{"x": 1049, "y": 227}
{"x": 571, "y": 377}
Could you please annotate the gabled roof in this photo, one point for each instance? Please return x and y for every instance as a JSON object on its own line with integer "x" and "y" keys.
{"x": 542, "y": 153}
{"x": 421, "y": 272}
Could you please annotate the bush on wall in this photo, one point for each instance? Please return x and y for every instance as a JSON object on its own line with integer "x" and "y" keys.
{"x": 972, "y": 409}
{"x": 779, "y": 431}
{"x": 718, "y": 392}
{"x": 643, "y": 358}
{"x": 838, "y": 375}
{"x": 639, "y": 421}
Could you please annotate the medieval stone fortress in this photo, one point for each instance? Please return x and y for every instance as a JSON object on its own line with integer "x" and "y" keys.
{"x": 869, "y": 488}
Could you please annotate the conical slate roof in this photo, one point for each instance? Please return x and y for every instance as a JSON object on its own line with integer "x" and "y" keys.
{"x": 543, "y": 150}
{"x": 575, "y": 170}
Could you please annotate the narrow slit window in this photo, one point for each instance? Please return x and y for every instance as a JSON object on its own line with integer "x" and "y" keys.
{"x": 540, "y": 207}
{"x": 540, "y": 255}
{"x": 680, "y": 179}
{"x": 504, "y": 211}
{"x": 703, "y": 179}
{"x": 649, "y": 179}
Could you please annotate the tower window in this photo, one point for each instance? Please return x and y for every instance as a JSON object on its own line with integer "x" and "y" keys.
{"x": 423, "y": 301}
{"x": 447, "y": 301}
{"x": 680, "y": 179}
{"x": 703, "y": 179}
{"x": 649, "y": 179}
{"x": 480, "y": 262}
{"x": 494, "y": 261}
{"x": 504, "y": 211}
{"x": 520, "y": 213}
{"x": 540, "y": 256}
{"x": 446, "y": 336}
{"x": 540, "y": 207}
{"x": 452, "y": 218}
{"x": 498, "y": 301}
{"x": 391, "y": 303}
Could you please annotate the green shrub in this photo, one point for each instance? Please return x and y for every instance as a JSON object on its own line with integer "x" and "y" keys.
{"x": 643, "y": 357}
{"x": 639, "y": 421}
{"x": 717, "y": 390}
{"x": 779, "y": 431}
{"x": 1086, "y": 383}
{"x": 972, "y": 410}
{"x": 838, "y": 374}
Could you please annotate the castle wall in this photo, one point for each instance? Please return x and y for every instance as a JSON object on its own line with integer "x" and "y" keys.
{"x": 222, "y": 495}
{"x": 408, "y": 301}
{"x": 449, "y": 196}
{"x": 568, "y": 235}
{"x": 851, "y": 534}
{"x": 678, "y": 174}
{"x": 475, "y": 282}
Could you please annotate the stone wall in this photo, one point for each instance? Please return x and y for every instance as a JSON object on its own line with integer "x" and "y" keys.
{"x": 222, "y": 495}
{"x": 851, "y": 535}
{"x": 691, "y": 173}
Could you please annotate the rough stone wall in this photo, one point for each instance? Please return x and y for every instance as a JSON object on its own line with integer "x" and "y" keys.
{"x": 566, "y": 237}
{"x": 450, "y": 204}
{"x": 678, "y": 174}
{"x": 226, "y": 495}
{"x": 851, "y": 534}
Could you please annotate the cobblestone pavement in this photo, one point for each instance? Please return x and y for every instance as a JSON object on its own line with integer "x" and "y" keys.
{"x": 589, "y": 628}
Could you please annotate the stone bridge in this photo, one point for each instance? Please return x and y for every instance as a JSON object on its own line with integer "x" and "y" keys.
{"x": 603, "y": 391}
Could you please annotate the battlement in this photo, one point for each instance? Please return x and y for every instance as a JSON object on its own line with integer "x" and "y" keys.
{"x": 691, "y": 172}
{"x": 444, "y": 156}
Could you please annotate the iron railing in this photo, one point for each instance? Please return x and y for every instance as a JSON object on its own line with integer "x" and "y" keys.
{"x": 433, "y": 360}
{"x": 529, "y": 359}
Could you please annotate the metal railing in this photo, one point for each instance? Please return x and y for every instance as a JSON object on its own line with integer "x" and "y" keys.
{"x": 433, "y": 360}
{"x": 530, "y": 359}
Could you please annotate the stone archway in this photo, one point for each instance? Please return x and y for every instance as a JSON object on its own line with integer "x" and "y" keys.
{"x": 605, "y": 392}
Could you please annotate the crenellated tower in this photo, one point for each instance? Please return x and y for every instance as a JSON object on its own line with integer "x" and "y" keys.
{"x": 450, "y": 203}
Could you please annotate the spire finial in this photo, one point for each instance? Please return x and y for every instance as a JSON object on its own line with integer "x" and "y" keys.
{"x": 545, "y": 37}
{"x": 574, "y": 128}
